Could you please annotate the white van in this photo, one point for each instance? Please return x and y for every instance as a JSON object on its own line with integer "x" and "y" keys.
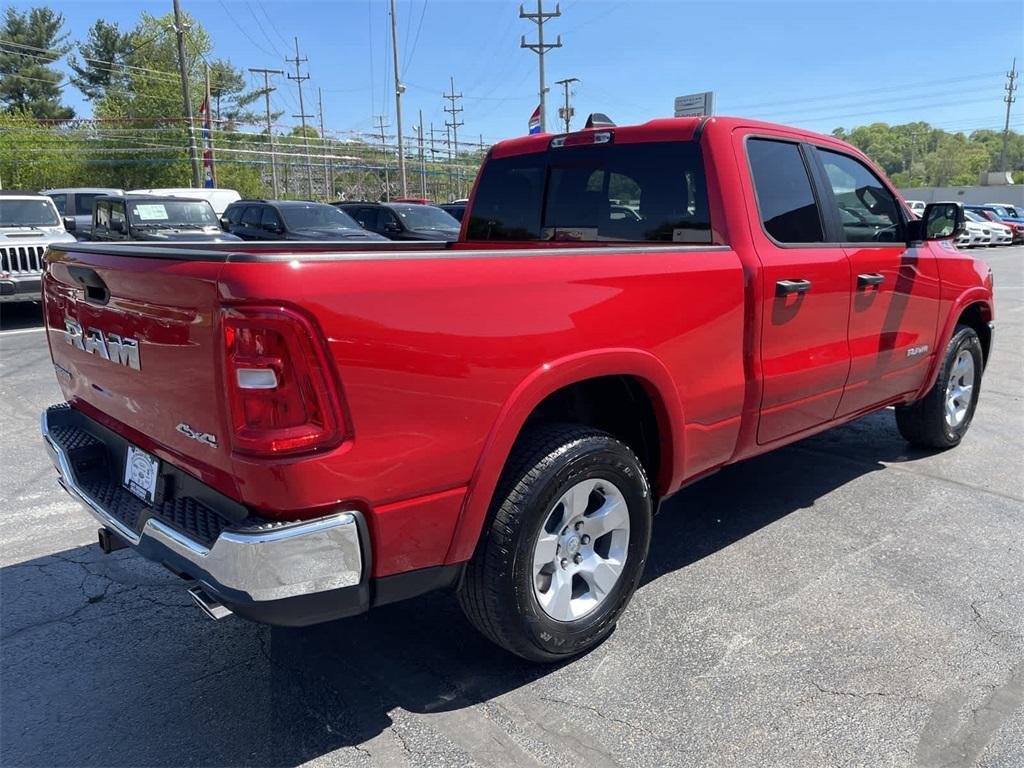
{"x": 220, "y": 199}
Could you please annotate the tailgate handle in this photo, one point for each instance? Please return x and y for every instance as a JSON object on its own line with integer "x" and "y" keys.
{"x": 96, "y": 291}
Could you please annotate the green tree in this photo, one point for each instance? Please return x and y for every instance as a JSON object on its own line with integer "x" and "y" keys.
{"x": 309, "y": 131}
{"x": 226, "y": 83}
{"x": 104, "y": 54}
{"x": 33, "y": 40}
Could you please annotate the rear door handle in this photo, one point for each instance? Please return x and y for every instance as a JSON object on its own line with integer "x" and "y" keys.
{"x": 786, "y": 287}
{"x": 873, "y": 278}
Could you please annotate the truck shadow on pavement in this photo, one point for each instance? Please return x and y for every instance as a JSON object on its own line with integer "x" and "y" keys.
{"x": 106, "y": 662}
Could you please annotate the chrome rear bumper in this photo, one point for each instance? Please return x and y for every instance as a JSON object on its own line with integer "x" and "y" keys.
{"x": 249, "y": 566}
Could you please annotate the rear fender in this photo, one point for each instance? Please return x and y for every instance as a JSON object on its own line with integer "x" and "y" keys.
{"x": 542, "y": 382}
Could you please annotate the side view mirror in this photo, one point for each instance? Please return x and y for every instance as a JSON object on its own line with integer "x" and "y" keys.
{"x": 275, "y": 228}
{"x": 224, "y": 223}
{"x": 392, "y": 227}
{"x": 117, "y": 226}
{"x": 939, "y": 221}
{"x": 69, "y": 223}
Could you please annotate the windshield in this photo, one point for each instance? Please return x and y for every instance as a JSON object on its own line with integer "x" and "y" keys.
{"x": 28, "y": 213}
{"x": 315, "y": 216}
{"x": 972, "y": 216}
{"x": 172, "y": 213}
{"x": 425, "y": 217}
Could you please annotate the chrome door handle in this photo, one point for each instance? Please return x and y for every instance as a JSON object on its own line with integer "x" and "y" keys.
{"x": 786, "y": 287}
{"x": 873, "y": 278}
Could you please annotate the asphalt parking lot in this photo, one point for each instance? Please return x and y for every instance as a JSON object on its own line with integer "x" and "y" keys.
{"x": 843, "y": 601}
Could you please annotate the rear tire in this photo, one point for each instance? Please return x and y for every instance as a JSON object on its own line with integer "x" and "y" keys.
{"x": 942, "y": 417}
{"x": 539, "y": 585}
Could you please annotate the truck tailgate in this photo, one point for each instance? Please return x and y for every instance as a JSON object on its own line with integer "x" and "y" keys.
{"x": 135, "y": 342}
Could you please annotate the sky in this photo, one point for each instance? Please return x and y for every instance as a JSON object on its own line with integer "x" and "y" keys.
{"x": 818, "y": 64}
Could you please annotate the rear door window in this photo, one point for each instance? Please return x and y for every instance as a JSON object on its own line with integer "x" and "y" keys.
{"x": 645, "y": 192}
{"x": 785, "y": 201}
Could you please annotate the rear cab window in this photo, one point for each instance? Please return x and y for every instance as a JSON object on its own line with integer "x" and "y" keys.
{"x": 629, "y": 192}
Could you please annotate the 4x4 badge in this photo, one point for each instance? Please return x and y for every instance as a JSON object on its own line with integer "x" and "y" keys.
{"x": 206, "y": 438}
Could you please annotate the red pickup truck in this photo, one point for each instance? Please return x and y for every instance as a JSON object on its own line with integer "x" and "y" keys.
{"x": 305, "y": 432}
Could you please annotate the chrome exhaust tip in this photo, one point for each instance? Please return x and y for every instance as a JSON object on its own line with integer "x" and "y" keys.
{"x": 208, "y": 604}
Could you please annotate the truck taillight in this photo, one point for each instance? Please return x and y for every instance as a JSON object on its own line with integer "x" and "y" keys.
{"x": 280, "y": 383}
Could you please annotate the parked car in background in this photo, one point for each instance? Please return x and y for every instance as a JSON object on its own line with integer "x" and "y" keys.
{"x": 418, "y": 200}
{"x": 155, "y": 217}
{"x": 29, "y": 222}
{"x": 455, "y": 210}
{"x": 75, "y": 206}
{"x": 1007, "y": 210}
{"x": 1001, "y": 234}
{"x": 404, "y": 221}
{"x": 990, "y": 213}
{"x": 974, "y": 235}
{"x": 220, "y": 199}
{"x": 292, "y": 220}
{"x": 916, "y": 206}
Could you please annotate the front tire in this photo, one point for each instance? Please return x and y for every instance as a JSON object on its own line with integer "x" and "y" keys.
{"x": 942, "y": 417}
{"x": 565, "y": 545}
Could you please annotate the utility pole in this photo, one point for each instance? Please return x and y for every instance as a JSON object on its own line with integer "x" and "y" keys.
{"x": 298, "y": 78}
{"x": 540, "y": 48}
{"x": 209, "y": 129}
{"x": 433, "y": 153}
{"x": 454, "y": 125}
{"x": 270, "y": 130}
{"x": 328, "y": 174}
{"x": 179, "y": 32}
{"x": 1009, "y": 98}
{"x": 567, "y": 112}
{"x": 423, "y": 161}
{"x": 399, "y": 89}
{"x": 384, "y": 151}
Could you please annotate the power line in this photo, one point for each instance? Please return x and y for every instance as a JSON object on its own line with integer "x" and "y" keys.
{"x": 540, "y": 48}
{"x": 902, "y": 89}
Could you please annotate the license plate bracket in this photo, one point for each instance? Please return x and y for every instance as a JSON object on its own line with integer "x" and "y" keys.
{"x": 140, "y": 474}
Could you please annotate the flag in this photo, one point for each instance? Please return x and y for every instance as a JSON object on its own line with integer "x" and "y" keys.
{"x": 204, "y": 122}
{"x": 535, "y": 120}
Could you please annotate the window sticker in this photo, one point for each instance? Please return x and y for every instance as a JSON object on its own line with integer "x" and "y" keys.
{"x": 150, "y": 212}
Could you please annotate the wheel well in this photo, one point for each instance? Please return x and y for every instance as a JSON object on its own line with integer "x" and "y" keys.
{"x": 618, "y": 405}
{"x": 977, "y": 316}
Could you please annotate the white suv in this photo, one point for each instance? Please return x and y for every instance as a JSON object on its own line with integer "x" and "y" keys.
{"x": 28, "y": 224}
